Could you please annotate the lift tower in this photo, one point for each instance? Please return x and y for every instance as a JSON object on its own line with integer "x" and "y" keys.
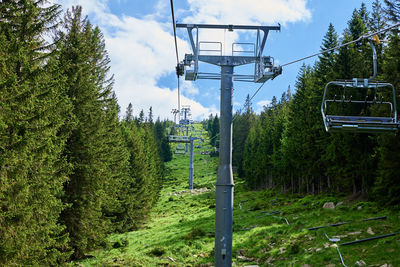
{"x": 186, "y": 121}
{"x": 188, "y": 140}
{"x": 175, "y": 112}
{"x": 263, "y": 71}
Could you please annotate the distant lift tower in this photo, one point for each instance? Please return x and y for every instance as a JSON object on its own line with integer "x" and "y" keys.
{"x": 186, "y": 121}
{"x": 187, "y": 140}
{"x": 175, "y": 112}
{"x": 264, "y": 70}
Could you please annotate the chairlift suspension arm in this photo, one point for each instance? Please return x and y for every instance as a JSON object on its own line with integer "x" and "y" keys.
{"x": 374, "y": 60}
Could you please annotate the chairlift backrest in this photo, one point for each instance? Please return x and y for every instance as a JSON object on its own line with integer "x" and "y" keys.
{"x": 360, "y": 105}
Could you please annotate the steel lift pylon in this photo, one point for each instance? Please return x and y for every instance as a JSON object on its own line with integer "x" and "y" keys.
{"x": 186, "y": 140}
{"x": 264, "y": 70}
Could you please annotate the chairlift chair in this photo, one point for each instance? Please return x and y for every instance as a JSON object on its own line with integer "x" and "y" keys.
{"x": 360, "y": 105}
{"x": 180, "y": 149}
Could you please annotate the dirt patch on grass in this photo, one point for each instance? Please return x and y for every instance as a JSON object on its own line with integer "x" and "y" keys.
{"x": 193, "y": 191}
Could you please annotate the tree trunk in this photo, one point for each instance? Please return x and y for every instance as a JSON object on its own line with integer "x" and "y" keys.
{"x": 329, "y": 182}
{"x": 271, "y": 184}
{"x": 292, "y": 183}
{"x": 299, "y": 180}
{"x": 313, "y": 187}
{"x": 320, "y": 185}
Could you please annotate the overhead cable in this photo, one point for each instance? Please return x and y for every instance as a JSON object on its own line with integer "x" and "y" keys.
{"x": 342, "y": 45}
{"x": 174, "y": 26}
{"x": 177, "y": 58}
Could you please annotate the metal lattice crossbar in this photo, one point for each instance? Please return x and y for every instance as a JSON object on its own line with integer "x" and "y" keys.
{"x": 264, "y": 66}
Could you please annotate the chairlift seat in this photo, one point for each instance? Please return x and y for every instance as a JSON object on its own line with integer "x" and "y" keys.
{"x": 179, "y": 139}
{"x": 360, "y": 124}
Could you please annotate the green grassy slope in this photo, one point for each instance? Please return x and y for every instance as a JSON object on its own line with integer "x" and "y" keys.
{"x": 181, "y": 229}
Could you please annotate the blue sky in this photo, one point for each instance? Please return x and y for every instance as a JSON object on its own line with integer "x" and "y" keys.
{"x": 140, "y": 44}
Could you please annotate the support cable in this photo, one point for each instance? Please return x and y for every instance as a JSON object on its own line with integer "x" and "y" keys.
{"x": 316, "y": 54}
{"x": 174, "y": 27}
{"x": 240, "y": 110}
{"x": 365, "y": 36}
{"x": 313, "y": 55}
{"x": 178, "y": 71}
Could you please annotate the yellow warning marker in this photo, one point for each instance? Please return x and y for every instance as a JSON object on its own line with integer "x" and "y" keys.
{"x": 376, "y": 39}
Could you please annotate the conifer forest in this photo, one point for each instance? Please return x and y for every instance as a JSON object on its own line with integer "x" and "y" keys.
{"x": 76, "y": 171}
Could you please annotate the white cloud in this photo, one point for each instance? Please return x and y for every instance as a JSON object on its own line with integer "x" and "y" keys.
{"x": 189, "y": 88}
{"x": 142, "y": 49}
{"x": 141, "y": 52}
{"x": 248, "y": 11}
{"x": 243, "y": 12}
{"x": 261, "y": 104}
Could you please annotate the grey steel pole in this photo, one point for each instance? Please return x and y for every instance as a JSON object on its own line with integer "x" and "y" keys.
{"x": 187, "y": 131}
{"x": 191, "y": 165}
{"x": 187, "y": 134}
{"x": 224, "y": 186}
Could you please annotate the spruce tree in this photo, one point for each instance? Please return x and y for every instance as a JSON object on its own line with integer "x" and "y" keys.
{"x": 392, "y": 10}
{"x": 162, "y": 141}
{"x": 133, "y": 198}
{"x": 129, "y": 113}
{"x": 215, "y": 131}
{"x": 241, "y": 128}
{"x": 324, "y": 67}
{"x": 34, "y": 112}
{"x": 387, "y": 184}
{"x": 95, "y": 148}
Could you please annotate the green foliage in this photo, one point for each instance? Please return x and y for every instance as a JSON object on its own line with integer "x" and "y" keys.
{"x": 241, "y": 127}
{"x": 286, "y": 146}
{"x": 213, "y": 129}
{"x": 181, "y": 231}
{"x": 95, "y": 148}
{"x": 145, "y": 172}
{"x": 157, "y": 251}
{"x": 195, "y": 233}
{"x": 34, "y": 114}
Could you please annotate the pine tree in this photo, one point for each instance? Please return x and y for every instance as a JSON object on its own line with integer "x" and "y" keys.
{"x": 241, "y": 128}
{"x": 392, "y": 10}
{"x": 141, "y": 118}
{"x": 116, "y": 160}
{"x": 250, "y": 157}
{"x": 134, "y": 197}
{"x": 387, "y": 184}
{"x": 150, "y": 119}
{"x": 324, "y": 67}
{"x": 162, "y": 141}
{"x": 34, "y": 112}
{"x": 215, "y": 131}
{"x": 129, "y": 113}
{"x": 95, "y": 148}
